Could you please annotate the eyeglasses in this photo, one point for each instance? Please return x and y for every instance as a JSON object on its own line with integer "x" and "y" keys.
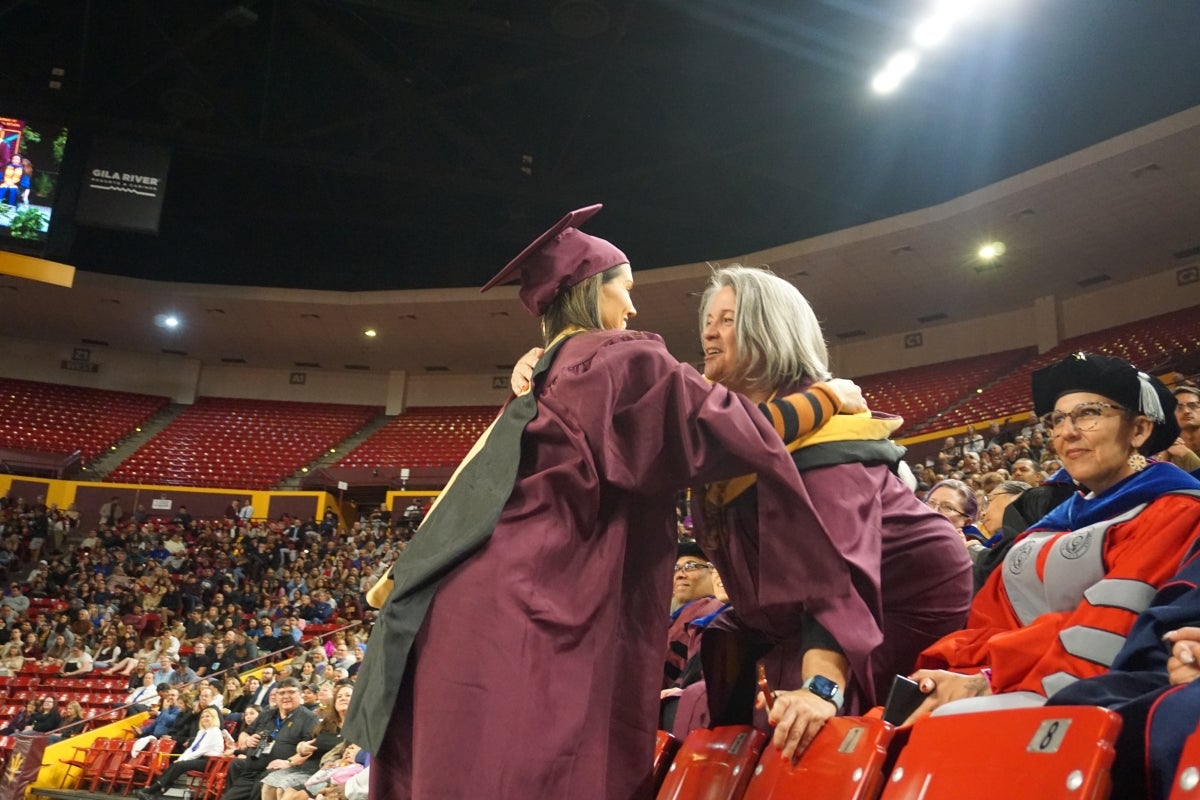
{"x": 691, "y": 566}
{"x": 987, "y": 499}
{"x": 945, "y": 508}
{"x": 1084, "y": 417}
{"x": 1193, "y": 407}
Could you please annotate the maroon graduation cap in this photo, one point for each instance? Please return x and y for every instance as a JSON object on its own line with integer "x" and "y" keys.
{"x": 558, "y": 259}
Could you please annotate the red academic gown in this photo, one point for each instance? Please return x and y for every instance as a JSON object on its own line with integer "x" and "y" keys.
{"x": 1060, "y": 608}
{"x": 536, "y": 672}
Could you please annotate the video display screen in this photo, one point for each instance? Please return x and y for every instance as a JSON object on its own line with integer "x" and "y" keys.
{"x": 31, "y": 153}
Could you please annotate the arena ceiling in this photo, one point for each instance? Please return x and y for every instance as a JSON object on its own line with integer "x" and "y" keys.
{"x": 339, "y": 164}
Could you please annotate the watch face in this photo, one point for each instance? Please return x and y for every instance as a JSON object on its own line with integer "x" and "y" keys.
{"x": 823, "y": 687}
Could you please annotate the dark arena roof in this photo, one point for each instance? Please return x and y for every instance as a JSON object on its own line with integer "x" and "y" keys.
{"x": 358, "y": 145}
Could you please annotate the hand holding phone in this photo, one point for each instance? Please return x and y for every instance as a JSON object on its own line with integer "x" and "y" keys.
{"x": 902, "y": 700}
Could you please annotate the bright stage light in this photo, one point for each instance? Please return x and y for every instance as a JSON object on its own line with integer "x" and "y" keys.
{"x": 992, "y": 250}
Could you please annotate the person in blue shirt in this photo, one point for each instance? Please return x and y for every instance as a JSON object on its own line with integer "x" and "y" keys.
{"x": 162, "y": 722}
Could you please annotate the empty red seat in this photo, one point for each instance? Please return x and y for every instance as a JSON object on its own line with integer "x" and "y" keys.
{"x": 1058, "y": 751}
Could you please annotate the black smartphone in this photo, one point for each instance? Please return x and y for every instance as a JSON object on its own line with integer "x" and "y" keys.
{"x": 903, "y": 699}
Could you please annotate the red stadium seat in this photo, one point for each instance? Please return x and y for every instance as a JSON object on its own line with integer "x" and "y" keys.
{"x": 843, "y": 762}
{"x": 1060, "y": 751}
{"x": 665, "y": 748}
{"x": 86, "y": 759}
{"x": 713, "y": 764}
{"x": 211, "y": 779}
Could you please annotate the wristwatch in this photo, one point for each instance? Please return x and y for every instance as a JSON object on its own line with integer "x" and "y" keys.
{"x": 825, "y": 689}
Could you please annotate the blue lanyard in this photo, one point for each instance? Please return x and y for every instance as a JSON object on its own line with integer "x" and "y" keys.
{"x": 199, "y": 738}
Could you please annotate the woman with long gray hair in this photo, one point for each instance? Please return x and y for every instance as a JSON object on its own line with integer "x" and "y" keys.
{"x": 908, "y": 565}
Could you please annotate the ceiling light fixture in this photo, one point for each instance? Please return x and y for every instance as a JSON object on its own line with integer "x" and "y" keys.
{"x": 992, "y": 251}
{"x": 896, "y": 70}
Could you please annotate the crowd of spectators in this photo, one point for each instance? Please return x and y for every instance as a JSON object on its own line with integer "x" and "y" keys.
{"x": 1014, "y": 451}
{"x": 183, "y": 603}
{"x": 179, "y": 606}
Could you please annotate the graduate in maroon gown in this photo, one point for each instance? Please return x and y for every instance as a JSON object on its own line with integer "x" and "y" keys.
{"x": 519, "y": 654}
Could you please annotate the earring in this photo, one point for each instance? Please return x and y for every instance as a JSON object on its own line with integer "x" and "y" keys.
{"x": 1137, "y": 461}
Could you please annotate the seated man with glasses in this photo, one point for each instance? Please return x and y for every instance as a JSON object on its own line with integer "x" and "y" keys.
{"x": 692, "y": 596}
{"x": 994, "y": 502}
{"x": 272, "y": 742}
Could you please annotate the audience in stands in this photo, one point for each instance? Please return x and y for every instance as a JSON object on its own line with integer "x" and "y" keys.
{"x": 236, "y": 700}
{"x": 111, "y": 513}
{"x": 995, "y": 500}
{"x": 108, "y": 652}
{"x": 12, "y": 657}
{"x": 188, "y": 721}
{"x": 242, "y": 730}
{"x": 956, "y": 501}
{"x": 336, "y": 770}
{"x": 1187, "y": 413}
{"x": 144, "y": 697}
{"x": 1181, "y": 453}
{"x": 162, "y": 719}
{"x": 1072, "y": 586}
{"x": 194, "y": 580}
{"x": 1026, "y": 471}
{"x": 79, "y": 662}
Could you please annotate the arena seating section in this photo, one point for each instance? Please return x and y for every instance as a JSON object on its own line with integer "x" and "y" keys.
{"x": 423, "y": 437}
{"x": 920, "y": 394}
{"x": 249, "y": 444}
{"x": 944, "y": 396}
{"x": 52, "y": 418}
{"x": 254, "y": 444}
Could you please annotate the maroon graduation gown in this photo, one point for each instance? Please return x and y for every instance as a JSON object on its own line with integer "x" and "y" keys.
{"x": 536, "y": 672}
{"x": 911, "y": 576}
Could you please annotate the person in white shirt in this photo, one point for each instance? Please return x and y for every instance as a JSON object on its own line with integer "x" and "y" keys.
{"x": 144, "y": 696}
{"x": 78, "y": 663}
{"x": 210, "y": 740}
